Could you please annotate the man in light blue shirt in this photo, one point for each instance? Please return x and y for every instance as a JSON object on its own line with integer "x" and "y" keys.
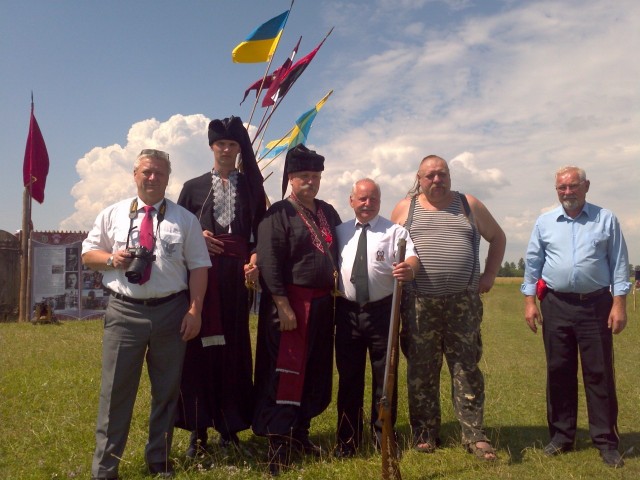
{"x": 577, "y": 266}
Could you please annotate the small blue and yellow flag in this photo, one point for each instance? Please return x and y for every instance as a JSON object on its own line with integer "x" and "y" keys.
{"x": 298, "y": 134}
{"x": 260, "y": 45}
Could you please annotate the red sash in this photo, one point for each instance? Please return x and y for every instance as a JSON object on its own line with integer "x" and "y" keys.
{"x": 292, "y": 353}
{"x": 212, "y": 332}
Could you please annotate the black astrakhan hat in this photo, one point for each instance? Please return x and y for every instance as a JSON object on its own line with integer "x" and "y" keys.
{"x": 232, "y": 128}
{"x": 301, "y": 159}
{"x": 226, "y": 129}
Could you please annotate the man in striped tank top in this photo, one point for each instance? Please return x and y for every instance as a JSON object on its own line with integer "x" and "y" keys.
{"x": 443, "y": 312}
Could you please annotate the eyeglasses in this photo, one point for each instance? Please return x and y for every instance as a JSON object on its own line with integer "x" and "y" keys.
{"x": 151, "y": 152}
{"x": 572, "y": 188}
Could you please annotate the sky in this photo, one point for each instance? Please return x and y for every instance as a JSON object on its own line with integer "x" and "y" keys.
{"x": 506, "y": 91}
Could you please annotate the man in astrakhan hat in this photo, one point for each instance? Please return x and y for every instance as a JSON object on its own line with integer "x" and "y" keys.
{"x": 217, "y": 387}
{"x": 297, "y": 257}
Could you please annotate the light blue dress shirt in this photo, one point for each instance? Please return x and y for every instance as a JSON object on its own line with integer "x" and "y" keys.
{"x": 578, "y": 255}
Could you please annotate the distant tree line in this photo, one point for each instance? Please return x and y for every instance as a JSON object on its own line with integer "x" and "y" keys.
{"x": 510, "y": 269}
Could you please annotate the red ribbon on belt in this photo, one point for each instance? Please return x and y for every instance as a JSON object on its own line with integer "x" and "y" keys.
{"x": 212, "y": 332}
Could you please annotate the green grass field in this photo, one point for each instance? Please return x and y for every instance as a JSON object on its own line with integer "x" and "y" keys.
{"x": 50, "y": 375}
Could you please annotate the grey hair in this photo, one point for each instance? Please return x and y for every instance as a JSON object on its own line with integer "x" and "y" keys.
{"x": 163, "y": 156}
{"x": 415, "y": 189}
{"x": 582, "y": 175}
{"x": 366, "y": 179}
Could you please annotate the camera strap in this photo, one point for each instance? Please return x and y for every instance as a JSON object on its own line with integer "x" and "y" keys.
{"x": 133, "y": 214}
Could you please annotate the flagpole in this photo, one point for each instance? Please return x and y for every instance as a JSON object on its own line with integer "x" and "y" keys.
{"x": 264, "y": 132}
{"x": 275, "y": 107}
{"x": 260, "y": 125}
{"x": 266, "y": 73}
{"x": 29, "y": 256}
{"x": 269, "y": 163}
{"x": 24, "y": 305}
{"x": 282, "y": 139}
{"x": 264, "y": 77}
{"x": 24, "y": 256}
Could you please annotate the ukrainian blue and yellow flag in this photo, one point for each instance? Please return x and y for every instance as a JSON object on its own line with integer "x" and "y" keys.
{"x": 298, "y": 134}
{"x": 260, "y": 45}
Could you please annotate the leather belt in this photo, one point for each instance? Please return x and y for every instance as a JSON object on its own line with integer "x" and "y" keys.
{"x": 367, "y": 306}
{"x": 580, "y": 296}
{"x": 147, "y": 302}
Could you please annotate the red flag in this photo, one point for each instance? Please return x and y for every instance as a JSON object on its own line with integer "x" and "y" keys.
{"x": 268, "y": 80}
{"x": 281, "y": 85}
{"x": 36, "y": 161}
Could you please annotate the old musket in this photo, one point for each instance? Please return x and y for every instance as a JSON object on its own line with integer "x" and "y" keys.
{"x": 390, "y": 466}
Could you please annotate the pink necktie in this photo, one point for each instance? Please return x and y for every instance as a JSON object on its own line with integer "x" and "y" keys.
{"x": 146, "y": 238}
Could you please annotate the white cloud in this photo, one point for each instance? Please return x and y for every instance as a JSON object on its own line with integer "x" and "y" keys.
{"x": 106, "y": 173}
{"x": 505, "y": 97}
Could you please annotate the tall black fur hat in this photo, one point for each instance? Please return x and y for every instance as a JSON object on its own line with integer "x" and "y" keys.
{"x": 301, "y": 159}
{"x": 232, "y": 128}
{"x": 227, "y": 129}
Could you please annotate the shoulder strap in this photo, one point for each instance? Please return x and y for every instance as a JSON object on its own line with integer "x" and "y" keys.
{"x": 465, "y": 204}
{"x": 412, "y": 207}
{"x": 467, "y": 212}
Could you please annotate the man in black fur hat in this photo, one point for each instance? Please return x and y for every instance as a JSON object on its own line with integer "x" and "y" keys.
{"x": 217, "y": 387}
{"x": 297, "y": 256}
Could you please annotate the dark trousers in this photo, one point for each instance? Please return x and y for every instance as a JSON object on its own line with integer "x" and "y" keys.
{"x": 572, "y": 328}
{"x": 359, "y": 330}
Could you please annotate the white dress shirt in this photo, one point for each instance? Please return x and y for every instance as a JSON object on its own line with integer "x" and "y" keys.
{"x": 179, "y": 247}
{"x": 382, "y": 249}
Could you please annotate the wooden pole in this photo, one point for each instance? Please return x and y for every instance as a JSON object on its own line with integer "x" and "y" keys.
{"x": 23, "y": 314}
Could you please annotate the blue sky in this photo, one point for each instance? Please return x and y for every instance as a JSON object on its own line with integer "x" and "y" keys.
{"x": 506, "y": 91}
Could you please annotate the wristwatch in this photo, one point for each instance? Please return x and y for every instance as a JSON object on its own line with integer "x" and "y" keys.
{"x": 110, "y": 261}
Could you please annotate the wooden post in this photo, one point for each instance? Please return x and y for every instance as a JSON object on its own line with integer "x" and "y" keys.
{"x": 25, "y": 289}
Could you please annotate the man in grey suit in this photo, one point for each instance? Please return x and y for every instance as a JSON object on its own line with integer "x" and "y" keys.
{"x": 145, "y": 247}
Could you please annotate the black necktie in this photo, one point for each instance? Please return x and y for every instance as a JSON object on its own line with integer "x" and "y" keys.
{"x": 360, "y": 270}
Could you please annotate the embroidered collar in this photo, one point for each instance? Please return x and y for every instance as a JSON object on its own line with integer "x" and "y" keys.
{"x": 224, "y": 197}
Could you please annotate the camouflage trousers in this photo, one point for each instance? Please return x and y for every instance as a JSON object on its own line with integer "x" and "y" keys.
{"x": 449, "y": 326}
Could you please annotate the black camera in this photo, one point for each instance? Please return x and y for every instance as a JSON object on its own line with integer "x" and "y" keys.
{"x": 142, "y": 257}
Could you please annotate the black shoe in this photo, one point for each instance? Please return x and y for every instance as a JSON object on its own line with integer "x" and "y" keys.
{"x": 278, "y": 456}
{"x": 612, "y": 458}
{"x": 552, "y": 448}
{"x": 344, "y": 450}
{"x": 161, "y": 470}
{"x": 197, "y": 444}
{"x": 306, "y": 446}
{"x": 229, "y": 440}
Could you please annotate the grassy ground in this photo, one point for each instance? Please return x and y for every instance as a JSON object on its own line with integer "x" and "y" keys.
{"x": 50, "y": 375}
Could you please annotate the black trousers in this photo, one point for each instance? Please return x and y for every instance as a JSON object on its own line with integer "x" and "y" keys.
{"x": 359, "y": 330}
{"x": 573, "y": 327}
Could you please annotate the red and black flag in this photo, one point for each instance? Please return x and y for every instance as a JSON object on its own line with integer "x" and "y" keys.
{"x": 281, "y": 85}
